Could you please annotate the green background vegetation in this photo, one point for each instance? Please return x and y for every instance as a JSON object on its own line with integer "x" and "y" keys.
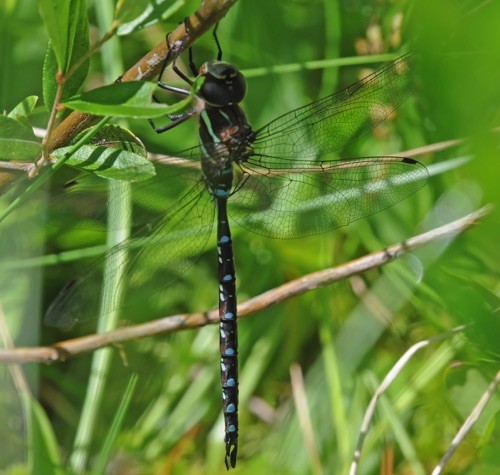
{"x": 344, "y": 337}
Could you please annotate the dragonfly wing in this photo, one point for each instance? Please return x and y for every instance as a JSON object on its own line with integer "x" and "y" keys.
{"x": 311, "y": 199}
{"x": 156, "y": 255}
{"x": 83, "y": 202}
{"x": 331, "y": 123}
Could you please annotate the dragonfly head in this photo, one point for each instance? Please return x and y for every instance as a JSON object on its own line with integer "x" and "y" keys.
{"x": 224, "y": 85}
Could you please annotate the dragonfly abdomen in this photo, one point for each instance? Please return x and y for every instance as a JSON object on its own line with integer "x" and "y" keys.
{"x": 228, "y": 332}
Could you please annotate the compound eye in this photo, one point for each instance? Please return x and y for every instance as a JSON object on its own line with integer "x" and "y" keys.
{"x": 224, "y": 84}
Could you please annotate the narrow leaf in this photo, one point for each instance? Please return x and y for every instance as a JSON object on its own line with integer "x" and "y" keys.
{"x": 135, "y": 16}
{"x": 80, "y": 46}
{"x": 64, "y": 21}
{"x": 56, "y": 17}
{"x": 24, "y": 108}
{"x": 128, "y": 99}
{"x": 113, "y": 433}
{"x": 44, "y": 448}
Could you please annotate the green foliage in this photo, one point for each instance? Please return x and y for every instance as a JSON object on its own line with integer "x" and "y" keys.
{"x": 345, "y": 337}
{"x": 24, "y": 108}
{"x": 17, "y": 142}
{"x": 106, "y": 451}
{"x": 127, "y": 99}
{"x": 113, "y": 152}
{"x": 126, "y": 166}
{"x": 67, "y": 26}
{"x": 44, "y": 450}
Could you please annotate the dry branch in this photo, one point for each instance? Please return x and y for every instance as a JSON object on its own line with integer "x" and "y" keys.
{"x": 78, "y": 346}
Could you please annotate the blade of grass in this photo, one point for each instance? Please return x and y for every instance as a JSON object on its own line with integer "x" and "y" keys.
{"x": 105, "y": 453}
{"x": 119, "y": 223}
{"x": 335, "y": 388}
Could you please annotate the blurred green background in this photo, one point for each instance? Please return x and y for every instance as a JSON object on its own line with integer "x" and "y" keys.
{"x": 344, "y": 337}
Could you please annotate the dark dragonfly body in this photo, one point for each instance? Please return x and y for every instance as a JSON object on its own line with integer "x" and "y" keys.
{"x": 282, "y": 180}
{"x": 225, "y": 137}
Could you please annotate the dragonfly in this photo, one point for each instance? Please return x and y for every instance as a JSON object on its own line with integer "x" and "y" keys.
{"x": 283, "y": 180}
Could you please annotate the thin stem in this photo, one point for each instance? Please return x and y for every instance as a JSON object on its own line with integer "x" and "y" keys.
{"x": 304, "y": 415}
{"x": 469, "y": 423}
{"x": 50, "y": 124}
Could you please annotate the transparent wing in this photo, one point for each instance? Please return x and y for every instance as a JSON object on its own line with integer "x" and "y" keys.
{"x": 284, "y": 191}
{"x": 335, "y": 121}
{"x": 83, "y": 202}
{"x": 315, "y": 198}
{"x": 157, "y": 255}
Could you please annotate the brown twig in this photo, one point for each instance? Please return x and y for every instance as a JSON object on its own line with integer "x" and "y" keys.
{"x": 18, "y": 166}
{"x": 209, "y": 13}
{"x": 78, "y": 346}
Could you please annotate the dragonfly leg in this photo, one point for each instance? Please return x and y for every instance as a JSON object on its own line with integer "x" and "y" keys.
{"x": 173, "y": 117}
{"x": 177, "y": 119}
{"x": 174, "y": 51}
{"x": 219, "y": 48}
{"x": 192, "y": 66}
{"x": 178, "y": 52}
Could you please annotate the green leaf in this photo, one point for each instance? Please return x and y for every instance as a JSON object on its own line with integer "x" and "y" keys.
{"x": 67, "y": 25}
{"x": 44, "y": 448}
{"x": 109, "y": 162}
{"x": 64, "y": 21}
{"x": 129, "y": 10}
{"x": 17, "y": 142}
{"x": 24, "y": 108}
{"x": 73, "y": 82}
{"x": 135, "y": 15}
{"x": 114, "y": 431}
{"x": 127, "y": 99}
{"x": 115, "y": 136}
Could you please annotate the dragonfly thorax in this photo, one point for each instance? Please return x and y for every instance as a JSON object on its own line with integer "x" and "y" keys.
{"x": 225, "y": 138}
{"x": 223, "y": 84}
